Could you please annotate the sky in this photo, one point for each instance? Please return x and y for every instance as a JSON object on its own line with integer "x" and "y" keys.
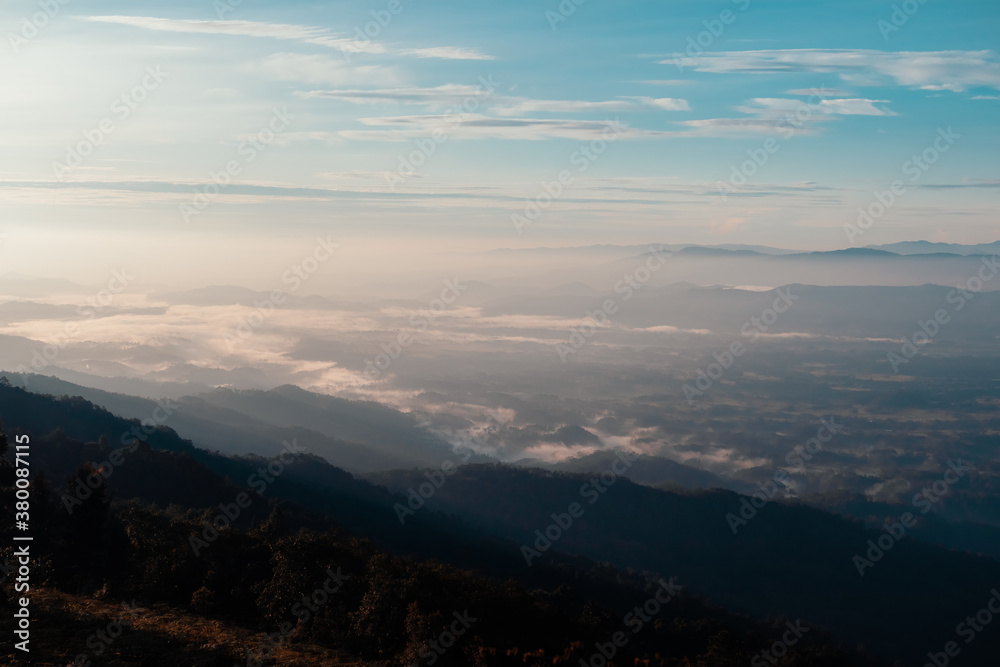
{"x": 404, "y": 127}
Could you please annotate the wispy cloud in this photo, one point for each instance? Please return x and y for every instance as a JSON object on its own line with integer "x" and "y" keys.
{"x": 517, "y": 115}
{"x": 972, "y": 183}
{"x": 770, "y": 107}
{"x": 306, "y": 34}
{"x": 929, "y": 70}
{"x": 450, "y": 94}
{"x": 320, "y": 69}
{"x": 448, "y": 53}
{"x": 855, "y": 107}
{"x": 721, "y": 127}
{"x": 665, "y": 103}
{"x": 822, "y": 92}
{"x": 435, "y": 96}
{"x": 478, "y": 126}
{"x": 511, "y": 106}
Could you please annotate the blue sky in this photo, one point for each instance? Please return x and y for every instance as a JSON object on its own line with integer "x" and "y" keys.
{"x": 358, "y": 108}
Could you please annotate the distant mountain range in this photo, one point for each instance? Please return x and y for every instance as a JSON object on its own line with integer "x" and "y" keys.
{"x": 927, "y": 247}
{"x": 902, "y": 248}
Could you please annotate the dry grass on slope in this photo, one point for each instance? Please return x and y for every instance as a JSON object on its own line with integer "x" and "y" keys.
{"x": 68, "y": 630}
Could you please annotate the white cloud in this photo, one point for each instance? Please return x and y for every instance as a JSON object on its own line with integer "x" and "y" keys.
{"x": 439, "y": 95}
{"x": 456, "y": 94}
{"x": 666, "y": 103}
{"x": 307, "y": 34}
{"x": 855, "y": 107}
{"x": 516, "y": 105}
{"x": 668, "y": 329}
{"x": 478, "y": 126}
{"x": 319, "y": 69}
{"x": 771, "y": 107}
{"x": 448, "y": 53}
{"x": 930, "y": 70}
{"x": 821, "y": 92}
{"x": 721, "y": 127}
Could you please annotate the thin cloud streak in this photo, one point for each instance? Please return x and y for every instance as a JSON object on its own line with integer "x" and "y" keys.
{"x": 505, "y": 105}
{"x": 305, "y": 34}
{"x": 929, "y": 70}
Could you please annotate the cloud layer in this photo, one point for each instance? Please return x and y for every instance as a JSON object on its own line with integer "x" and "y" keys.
{"x": 930, "y": 70}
